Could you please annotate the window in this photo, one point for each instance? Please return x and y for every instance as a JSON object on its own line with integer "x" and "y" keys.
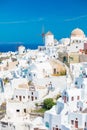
{"x": 23, "y": 96}
{"x": 80, "y": 108}
{"x": 17, "y": 110}
{"x": 4, "y": 123}
{"x": 81, "y": 86}
{"x": 64, "y": 59}
{"x": 77, "y": 97}
{"x": 29, "y": 74}
{"x": 16, "y": 96}
{"x": 32, "y": 93}
{"x": 35, "y": 97}
{"x": 72, "y": 122}
{"x": 76, "y": 83}
{"x": 20, "y": 98}
{"x": 72, "y": 98}
{"x": 65, "y": 93}
{"x": 28, "y": 97}
{"x": 24, "y": 110}
{"x": 32, "y": 98}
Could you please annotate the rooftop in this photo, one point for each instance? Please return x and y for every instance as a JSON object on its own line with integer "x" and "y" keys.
{"x": 77, "y": 33}
{"x": 48, "y": 33}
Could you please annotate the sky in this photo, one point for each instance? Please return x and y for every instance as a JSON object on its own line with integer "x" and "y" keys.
{"x": 25, "y": 20}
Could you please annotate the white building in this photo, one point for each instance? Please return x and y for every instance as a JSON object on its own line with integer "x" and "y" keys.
{"x": 18, "y": 109}
{"x": 21, "y": 50}
{"x": 78, "y": 119}
{"x": 70, "y": 109}
{"x": 77, "y": 40}
{"x": 75, "y": 43}
{"x": 39, "y": 70}
{"x": 17, "y": 117}
{"x": 77, "y": 36}
{"x": 25, "y": 93}
{"x": 65, "y": 41}
{"x": 51, "y": 45}
{"x": 58, "y": 115}
{"x": 49, "y": 39}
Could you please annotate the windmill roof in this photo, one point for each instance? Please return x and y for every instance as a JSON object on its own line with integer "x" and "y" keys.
{"x": 48, "y": 33}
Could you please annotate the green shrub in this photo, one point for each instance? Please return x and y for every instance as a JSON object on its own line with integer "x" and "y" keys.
{"x": 48, "y": 103}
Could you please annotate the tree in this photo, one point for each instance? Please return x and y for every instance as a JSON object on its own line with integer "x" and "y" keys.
{"x": 48, "y": 103}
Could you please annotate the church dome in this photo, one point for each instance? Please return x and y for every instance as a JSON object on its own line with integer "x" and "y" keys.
{"x": 77, "y": 33}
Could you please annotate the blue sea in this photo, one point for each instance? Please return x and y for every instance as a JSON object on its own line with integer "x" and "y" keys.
{"x": 5, "y": 47}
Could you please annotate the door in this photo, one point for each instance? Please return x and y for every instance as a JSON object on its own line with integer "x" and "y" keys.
{"x": 54, "y": 70}
{"x": 65, "y": 99}
{"x": 76, "y": 124}
{"x": 24, "y": 110}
